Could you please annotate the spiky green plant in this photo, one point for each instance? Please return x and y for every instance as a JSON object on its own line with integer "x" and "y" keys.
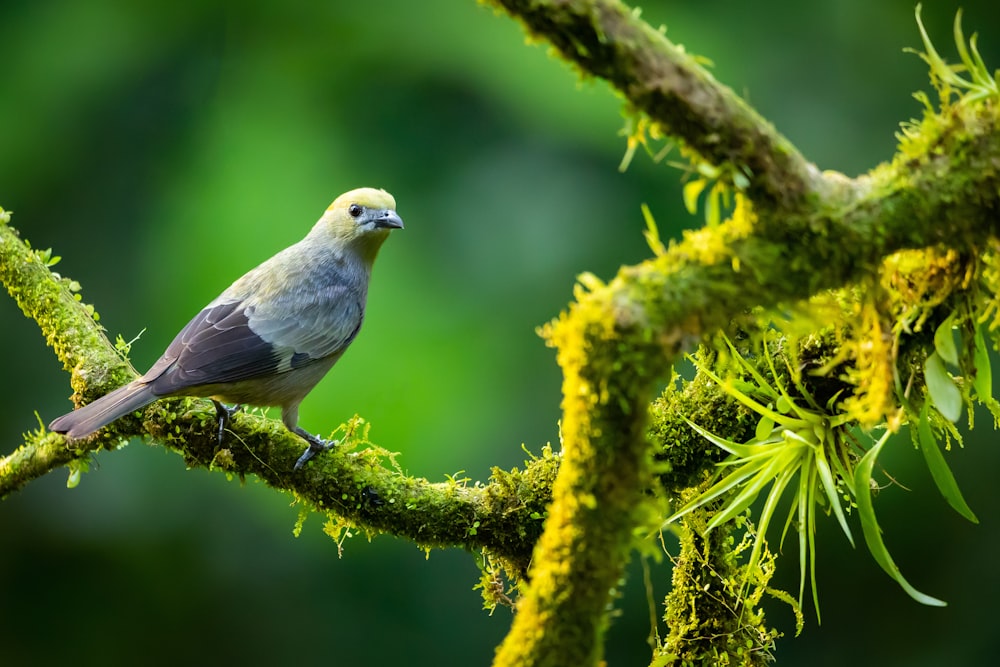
{"x": 795, "y": 437}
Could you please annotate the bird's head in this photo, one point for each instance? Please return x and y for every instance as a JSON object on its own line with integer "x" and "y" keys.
{"x": 360, "y": 219}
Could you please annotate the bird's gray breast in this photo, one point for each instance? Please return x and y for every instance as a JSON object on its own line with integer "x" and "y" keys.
{"x": 318, "y": 315}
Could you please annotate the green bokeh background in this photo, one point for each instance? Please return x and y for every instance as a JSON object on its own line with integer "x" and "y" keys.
{"x": 164, "y": 148}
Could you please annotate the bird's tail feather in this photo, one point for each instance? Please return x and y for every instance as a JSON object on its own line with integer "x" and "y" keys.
{"x": 81, "y": 423}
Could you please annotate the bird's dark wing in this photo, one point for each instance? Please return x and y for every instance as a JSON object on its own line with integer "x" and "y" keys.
{"x": 216, "y": 346}
{"x": 241, "y": 340}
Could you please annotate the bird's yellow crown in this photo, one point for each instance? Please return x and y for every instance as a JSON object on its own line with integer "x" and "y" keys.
{"x": 368, "y": 197}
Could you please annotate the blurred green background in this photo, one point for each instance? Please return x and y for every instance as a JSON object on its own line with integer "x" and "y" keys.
{"x": 164, "y": 148}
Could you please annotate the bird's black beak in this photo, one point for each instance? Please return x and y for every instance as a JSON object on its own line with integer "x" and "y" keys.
{"x": 388, "y": 219}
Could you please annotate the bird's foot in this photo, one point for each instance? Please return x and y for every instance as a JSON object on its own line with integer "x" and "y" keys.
{"x": 223, "y": 414}
{"x": 316, "y": 446}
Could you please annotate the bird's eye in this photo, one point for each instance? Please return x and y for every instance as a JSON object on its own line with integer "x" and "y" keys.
{"x": 354, "y": 210}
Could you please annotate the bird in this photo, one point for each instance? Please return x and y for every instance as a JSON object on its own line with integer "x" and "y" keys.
{"x": 271, "y": 336}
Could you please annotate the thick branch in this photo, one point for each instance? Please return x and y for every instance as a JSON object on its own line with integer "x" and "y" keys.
{"x": 356, "y": 481}
{"x": 77, "y": 339}
{"x": 920, "y": 201}
{"x": 607, "y": 39}
{"x": 610, "y": 367}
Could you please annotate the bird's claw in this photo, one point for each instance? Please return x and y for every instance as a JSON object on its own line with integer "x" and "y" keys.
{"x": 316, "y": 446}
{"x": 223, "y": 414}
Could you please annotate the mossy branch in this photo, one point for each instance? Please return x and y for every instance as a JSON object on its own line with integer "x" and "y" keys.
{"x": 610, "y": 366}
{"x": 78, "y": 341}
{"x": 607, "y": 39}
{"x": 797, "y": 232}
{"x": 355, "y": 481}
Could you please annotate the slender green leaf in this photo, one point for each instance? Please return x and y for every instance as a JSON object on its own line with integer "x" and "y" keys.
{"x": 842, "y": 468}
{"x": 869, "y": 525}
{"x": 770, "y": 505}
{"x": 757, "y": 452}
{"x": 810, "y": 521}
{"x": 748, "y": 494}
{"x": 799, "y": 510}
{"x": 721, "y": 443}
{"x": 959, "y": 36}
{"x": 743, "y": 451}
{"x": 793, "y": 509}
{"x": 762, "y": 384}
{"x": 978, "y": 66}
{"x": 826, "y": 477}
{"x": 942, "y": 389}
{"x": 730, "y": 482}
{"x": 940, "y": 471}
{"x": 756, "y": 406}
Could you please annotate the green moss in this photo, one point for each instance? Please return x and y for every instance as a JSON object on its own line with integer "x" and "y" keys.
{"x": 68, "y": 326}
{"x": 711, "y": 620}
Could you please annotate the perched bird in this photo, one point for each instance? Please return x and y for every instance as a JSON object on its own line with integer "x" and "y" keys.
{"x": 270, "y": 337}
